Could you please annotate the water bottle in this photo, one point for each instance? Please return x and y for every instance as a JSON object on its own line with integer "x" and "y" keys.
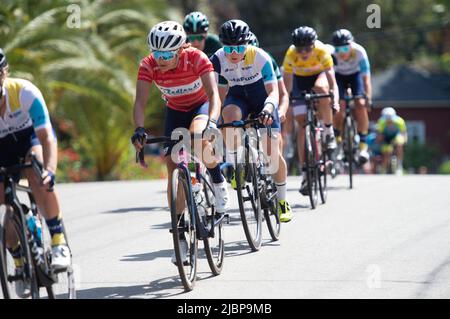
{"x": 35, "y": 228}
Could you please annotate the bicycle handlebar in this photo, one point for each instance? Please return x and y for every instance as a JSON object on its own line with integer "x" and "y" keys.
{"x": 238, "y": 124}
{"x": 35, "y": 164}
{"x": 312, "y": 96}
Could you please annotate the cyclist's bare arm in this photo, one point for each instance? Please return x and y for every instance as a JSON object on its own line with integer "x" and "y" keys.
{"x": 210, "y": 85}
{"x": 367, "y": 85}
{"x": 142, "y": 92}
{"x": 272, "y": 93}
{"x": 332, "y": 84}
{"x": 284, "y": 98}
{"x": 288, "y": 79}
{"x": 223, "y": 90}
{"x": 49, "y": 150}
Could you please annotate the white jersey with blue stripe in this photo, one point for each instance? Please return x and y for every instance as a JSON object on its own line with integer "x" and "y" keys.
{"x": 255, "y": 67}
{"x": 25, "y": 107}
{"x": 358, "y": 61}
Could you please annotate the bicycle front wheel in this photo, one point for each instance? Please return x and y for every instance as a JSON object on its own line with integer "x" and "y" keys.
{"x": 184, "y": 227}
{"x": 271, "y": 211}
{"x": 323, "y": 174}
{"x": 348, "y": 148}
{"x": 215, "y": 245}
{"x": 10, "y": 227}
{"x": 249, "y": 201}
{"x": 311, "y": 167}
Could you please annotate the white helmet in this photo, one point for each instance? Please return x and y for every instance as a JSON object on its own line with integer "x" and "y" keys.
{"x": 166, "y": 36}
{"x": 388, "y": 112}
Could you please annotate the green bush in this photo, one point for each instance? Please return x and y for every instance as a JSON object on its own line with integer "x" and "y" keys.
{"x": 419, "y": 155}
{"x": 445, "y": 168}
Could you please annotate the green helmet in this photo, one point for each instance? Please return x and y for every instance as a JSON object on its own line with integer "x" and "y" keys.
{"x": 253, "y": 40}
{"x": 196, "y": 22}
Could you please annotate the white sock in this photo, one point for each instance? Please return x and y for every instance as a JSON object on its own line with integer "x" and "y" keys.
{"x": 281, "y": 190}
{"x": 329, "y": 131}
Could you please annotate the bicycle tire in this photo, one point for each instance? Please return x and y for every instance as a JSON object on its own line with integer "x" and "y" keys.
{"x": 215, "y": 253}
{"x": 271, "y": 212}
{"x": 254, "y": 239}
{"x": 188, "y": 275}
{"x": 349, "y": 137}
{"x": 30, "y": 271}
{"x": 311, "y": 167}
{"x": 323, "y": 175}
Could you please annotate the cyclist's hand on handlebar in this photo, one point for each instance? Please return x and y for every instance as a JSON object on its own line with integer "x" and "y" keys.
{"x": 138, "y": 138}
{"x": 48, "y": 179}
{"x": 265, "y": 118}
{"x": 336, "y": 107}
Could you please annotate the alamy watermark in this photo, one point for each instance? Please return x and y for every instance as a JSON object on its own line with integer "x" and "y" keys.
{"x": 74, "y": 19}
{"x": 374, "y": 19}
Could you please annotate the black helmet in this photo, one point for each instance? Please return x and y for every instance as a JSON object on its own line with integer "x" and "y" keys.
{"x": 234, "y": 32}
{"x": 341, "y": 37}
{"x": 253, "y": 40}
{"x": 196, "y": 22}
{"x": 304, "y": 36}
{"x": 3, "y": 62}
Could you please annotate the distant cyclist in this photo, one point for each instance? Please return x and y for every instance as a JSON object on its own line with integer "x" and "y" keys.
{"x": 196, "y": 26}
{"x": 392, "y": 135}
{"x": 308, "y": 66}
{"x": 185, "y": 76}
{"x": 251, "y": 88}
{"x": 25, "y": 127}
{"x": 352, "y": 69}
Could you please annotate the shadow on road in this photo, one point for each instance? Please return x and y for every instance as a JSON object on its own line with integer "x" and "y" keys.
{"x": 165, "y": 253}
{"x": 136, "y": 209}
{"x": 161, "y": 288}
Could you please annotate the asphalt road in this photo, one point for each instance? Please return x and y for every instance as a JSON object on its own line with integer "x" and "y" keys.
{"x": 389, "y": 237}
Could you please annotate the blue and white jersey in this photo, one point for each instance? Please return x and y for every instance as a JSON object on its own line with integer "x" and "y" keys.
{"x": 256, "y": 69}
{"x": 25, "y": 107}
{"x": 358, "y": 61}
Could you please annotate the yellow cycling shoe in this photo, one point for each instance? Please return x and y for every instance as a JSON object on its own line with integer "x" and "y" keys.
{"x": 284, "y": 211}
{"x": 234, "y": 181}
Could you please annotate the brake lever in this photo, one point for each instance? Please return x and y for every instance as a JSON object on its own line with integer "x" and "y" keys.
{"x": 38, "y": 168}
{"x": 140, "y": 158}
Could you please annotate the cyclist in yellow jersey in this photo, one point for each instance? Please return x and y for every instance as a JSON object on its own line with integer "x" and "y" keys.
{"x": 392, "y": 135}
{"x": 309, "y": 66}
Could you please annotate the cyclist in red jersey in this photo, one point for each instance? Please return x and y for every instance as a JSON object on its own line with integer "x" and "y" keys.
{"x": 186, "y": 79}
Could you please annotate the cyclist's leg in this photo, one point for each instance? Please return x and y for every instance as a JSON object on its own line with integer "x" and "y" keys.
{"x": 324, "y": 110}
{"x": 234, "y": 109}
{"x": 361, "y": 116}
{"x": 386, "y": 150}
{"x": 338, "y": 119}
{"x": 208, "y": 157}
{"x": 399, "y": 143}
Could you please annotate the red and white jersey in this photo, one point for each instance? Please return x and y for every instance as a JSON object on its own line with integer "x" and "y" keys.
{"x": 181, "y": 87}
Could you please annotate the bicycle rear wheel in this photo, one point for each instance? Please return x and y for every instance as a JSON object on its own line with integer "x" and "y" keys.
{"x": 184, "y": 227}
{"x": 214, "y": 246}
{"x": 311, "y": 167}
{"x": 10, "y": 226}
{"x": 249, "y": 200}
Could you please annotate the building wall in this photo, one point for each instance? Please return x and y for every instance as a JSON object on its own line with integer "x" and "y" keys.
{"x": 436, "y": 122}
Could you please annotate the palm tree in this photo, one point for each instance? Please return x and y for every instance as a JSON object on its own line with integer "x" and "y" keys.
{"x": 87, "y": 74}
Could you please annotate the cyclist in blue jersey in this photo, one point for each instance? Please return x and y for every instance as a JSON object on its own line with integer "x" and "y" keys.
{"x": 352, "y": 68}
{"x": 251, "y": 88}
{"x": 24, "y": 128}
{"x": 196, "y": 26}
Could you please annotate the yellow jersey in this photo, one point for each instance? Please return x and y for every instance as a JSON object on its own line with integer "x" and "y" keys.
{"x": 319, "y": 61}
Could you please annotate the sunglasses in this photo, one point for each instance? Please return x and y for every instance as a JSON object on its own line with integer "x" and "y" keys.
{"x": 342, "y": 49}
{"x": 196, "y": 37}
{"x": 307, "y": 49}
{"x": 236, "y": 48}
{"x": 165, "y": 55}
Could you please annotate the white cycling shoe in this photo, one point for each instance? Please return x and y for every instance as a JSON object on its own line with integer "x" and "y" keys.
{"x": 222, "y": 197}
{"x": 61, "y": 258}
